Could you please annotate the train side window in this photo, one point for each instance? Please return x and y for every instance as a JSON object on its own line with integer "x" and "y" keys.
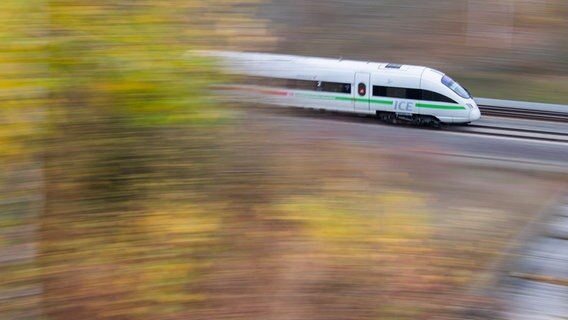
{"x": 305, "y": 85}
{"x": 428, "y": 95}
{"x": 443, "y": 98}
{"x": 336, "y": 87}
{"x": 379, "y": 91}
{"x": 252, "y": 81}
{"x": 279, "y": 82}
{"x": 297, "y": 84}
{"x": 434, "y": 96}
{"x": 414, "y": 94}
{"x": 396, "y": 92}
{"x": 291, "y": 84}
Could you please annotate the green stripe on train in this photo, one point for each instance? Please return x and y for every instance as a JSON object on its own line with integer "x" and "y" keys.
{"x": 319, "y": 96}
{"x": 387, "y": 102}
{"x": 437, "y": 106}
{"x": 315, "y": 96}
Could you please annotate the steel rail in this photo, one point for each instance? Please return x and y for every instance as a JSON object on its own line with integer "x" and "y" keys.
{"x": 540, "y": 115}
{"x": 507, "y": 132}
{"x": 471, "y": 129}
{"x": 523, "y": 110}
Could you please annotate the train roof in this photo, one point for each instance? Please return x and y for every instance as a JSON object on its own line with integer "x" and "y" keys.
{"x": 328, "y": 63}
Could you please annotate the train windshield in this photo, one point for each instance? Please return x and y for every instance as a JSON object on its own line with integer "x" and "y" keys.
{"x": 461, "y": 91}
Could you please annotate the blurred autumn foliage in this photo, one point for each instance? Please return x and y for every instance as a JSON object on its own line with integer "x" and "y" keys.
{"x": 128, "y": 192}
{"x": 116, "y": 125}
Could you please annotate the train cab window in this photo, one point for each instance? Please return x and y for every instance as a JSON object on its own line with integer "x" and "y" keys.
{"x": 455, "y": 87}
{"x": 362, "y": 89}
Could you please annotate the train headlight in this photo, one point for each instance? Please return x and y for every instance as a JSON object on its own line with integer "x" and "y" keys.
{"x": 471, "y": 107}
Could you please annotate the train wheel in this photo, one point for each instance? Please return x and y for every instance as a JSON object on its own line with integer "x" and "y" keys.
{"x": 387, "y": 117}
{"x": 430, "y": 121}
{"x": 436, "y": 124}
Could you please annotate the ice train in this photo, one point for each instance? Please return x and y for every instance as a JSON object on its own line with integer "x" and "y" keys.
{"x": 393, "y": 92}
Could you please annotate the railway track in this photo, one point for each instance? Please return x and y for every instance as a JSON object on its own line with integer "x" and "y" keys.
{"x": 512, "y": 132}
{"x": 519, "y": 113}
{"x": 503, "y": 129}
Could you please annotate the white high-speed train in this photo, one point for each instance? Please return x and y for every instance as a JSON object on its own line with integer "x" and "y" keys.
{"x": 393, "y": 92}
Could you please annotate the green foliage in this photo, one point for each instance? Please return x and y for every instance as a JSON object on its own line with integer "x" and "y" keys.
{"x": 22, "y": 76}
{"x": 126, "y": 60}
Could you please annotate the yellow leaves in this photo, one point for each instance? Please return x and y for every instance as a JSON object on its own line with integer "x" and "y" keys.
{"x": 123, "y": 86}
{"x": 17, "y": 12}
{"x": 161, "y": 275}
{"x": 125, "y": 56}
{"x": 403, "y": 215}
{"x": 15, "y": 139}
{"x": 22, "y": 77}
{"x": 366, "y": 218}
{"x": 326, "y": 222}
{"x": 175, "y": 225}
{"x": 146, "y": 261}
{"x": 93, "y": 72}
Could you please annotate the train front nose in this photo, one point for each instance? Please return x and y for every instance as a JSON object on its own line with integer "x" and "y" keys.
{"x": 474, "y": 113}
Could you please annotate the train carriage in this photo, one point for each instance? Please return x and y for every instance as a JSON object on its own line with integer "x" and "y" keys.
{"x": 393, "y": 92}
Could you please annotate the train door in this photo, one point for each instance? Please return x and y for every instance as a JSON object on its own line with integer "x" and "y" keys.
{"x": 362, "y": 91}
